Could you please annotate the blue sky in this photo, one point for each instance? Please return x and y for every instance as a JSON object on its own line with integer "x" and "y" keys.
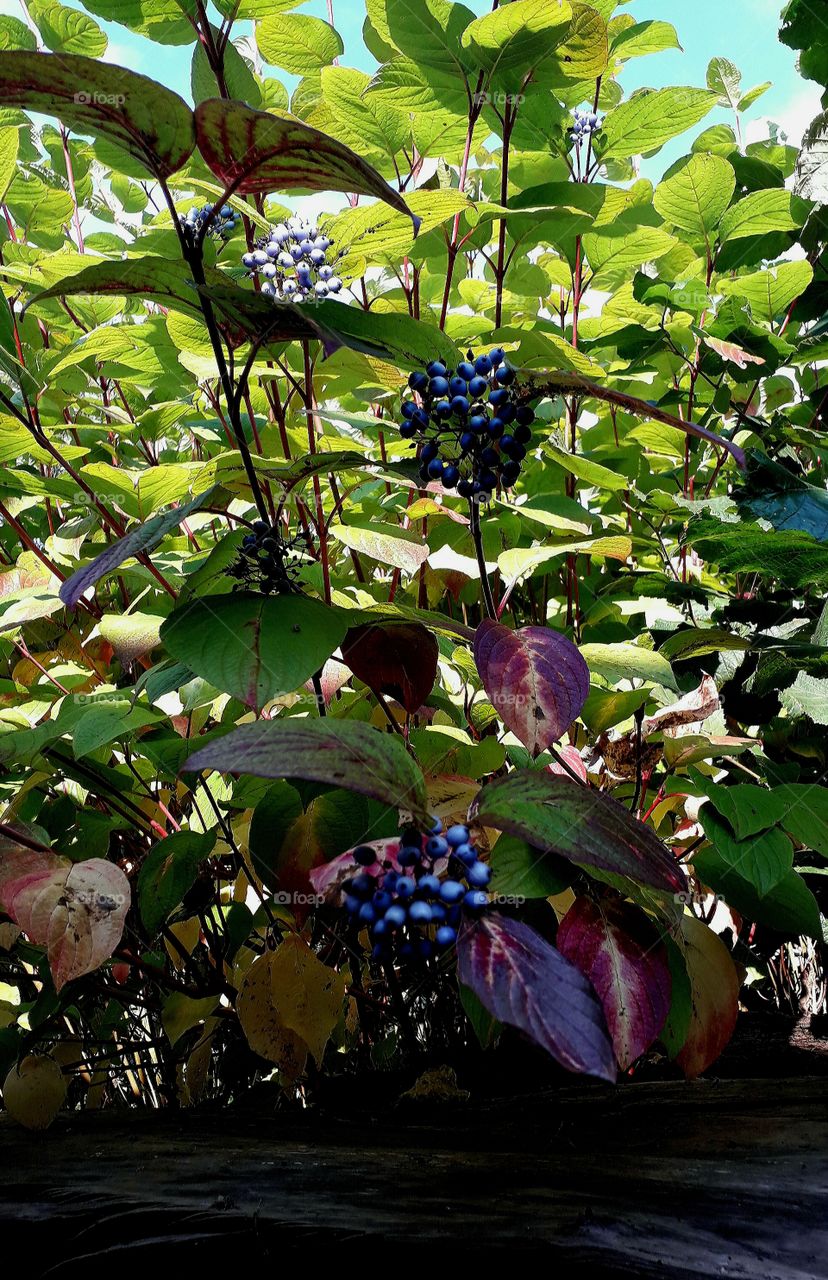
{"x": 743, "y": 30}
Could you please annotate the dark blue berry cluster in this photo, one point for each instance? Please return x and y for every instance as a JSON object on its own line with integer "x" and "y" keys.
{"x": 268, "y": 562}
{"x": 293, "y": 261}
{"x": 222, "y": 226}
{"x": 470, "y": 427}
{"x": 414, "y": 908}
{"x": 584, "y": 125}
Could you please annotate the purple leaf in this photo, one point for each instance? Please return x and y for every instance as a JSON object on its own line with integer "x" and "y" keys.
{"x": 342, "y": 753}
{"x": 536, "y": 679}
{"x": 557, "y": 815}
{"x": 615, "y": 946}
{"x": 523, "y": 981}
{"x": 138, "y": 540}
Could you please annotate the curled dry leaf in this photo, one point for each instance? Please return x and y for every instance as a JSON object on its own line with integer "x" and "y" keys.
{"x": 75, "y": 909}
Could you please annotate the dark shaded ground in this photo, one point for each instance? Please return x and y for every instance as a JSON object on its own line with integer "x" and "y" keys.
{"x": 719, "y": 1178}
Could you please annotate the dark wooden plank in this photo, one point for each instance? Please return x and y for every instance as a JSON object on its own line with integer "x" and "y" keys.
{"x": 724, "y": 1179}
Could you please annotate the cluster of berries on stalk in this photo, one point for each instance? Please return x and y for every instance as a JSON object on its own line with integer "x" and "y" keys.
{"x": 585, "y": 124}
{"x": 222, "y": 225}
{"x": 293, "y": 261}
{"x": 268, "y": 561}
{"x": 471, "y": 428}
{"x": 412, "y": 906}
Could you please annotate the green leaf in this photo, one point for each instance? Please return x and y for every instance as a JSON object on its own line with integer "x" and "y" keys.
{"x": 239, "y": 80}
{"x": 168, "y": 872}
{"x": 725, "y": 78}
{"x": 794, "y": 558}
{"x": 695, "y": 642}
{"x": 696, "y": 192}
{"x": 603, "y": 709}
{"x": 790, "y": 908}
{"x": 785, "y": 500}
{"x": 142, "y": 538}
{"x": 517, "y": 37}
{"x": 429, "y": 31}
{"x": 618, "y": 662}
{"x": 340, "y": 753}
{"x": 67, "y": 30}
{"x": 642, "y": 38}
{"x": 578, "y": 823}
{"x": 652, "y": 117}
{"x": 771, "y": 292}
{"x": 748, "y": 808}
{"x": 521, "y": 871}
{"x": 259, "y": 151}
{"x": 763, "y": 858}
{"x": 14, "y": 34}
{"x": 387, "y": 544}
{"x": 164, "y": 21}
{"x": 151, "y": 123}
{"x": 255, "y": 647}
{"x": 805, "y": 814}
{"x": 296, "y": 43}
{"x": 8, "y": 159}
{"x": 762, "y": 212}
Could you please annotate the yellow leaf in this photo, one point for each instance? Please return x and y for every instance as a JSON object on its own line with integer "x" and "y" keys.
{"x": 266, "y": 1034}
{"x": 34, "y": 1092}
{"x": 307, "y": 994}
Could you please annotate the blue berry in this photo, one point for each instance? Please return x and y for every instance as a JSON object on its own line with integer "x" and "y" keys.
{"x": 438, "y": 386}
{"x": 365, "y": 855}
{"x": 408, "y": 429}
{"x": 395, "y": 917}
{"x": 458, "y": 386}
{"x": 362, "y": 885}
{"x": 352, "y": 905}
{"x": 435, "y": 468}
{"x": 405, "y": 887}
{"x": 483, "y": 365}
{"x": 499, "y": 396}
{"x": 509, "y": 473}
{"x": 466, "y": 440}
{"x": 451, "y": 891}
{"x": 382, "y": 901}
{"x": 429, "y": 885}
{"x": 366, "y": 913}
{"x": 419, "y": 913}
{"x": 436, "y": 369}
{"x": 490, "y": 457}
{"x": 506, "y": 443}
{"x": 408, "y": 857}
{"x": 465, "y": 488}
{"x": 380, "y": 929}
{"x": 466, "y": 854}
{"x": 505, "y": 375}
{"x": 522, "y": 434}
{"x": 428, "y": 451}
{"x": 496, "y": 427}
{"x": 475, "y": 900}
{"x": 437, "y": 847}
{"x": 506, "y": 413}
{"x": 442, "y": 409}
{"x": 525, "y": 415}
{"x": 408, "y": 409}
{"x": 478, "y": 875}
{"x": 450, "y": 476}
{"x": 438, "y": 913}
{"x": 416, "y": 381}
{"x": 460, "y": 405}
{"x": 496, "y": 357}
{"x": 478, "y": 386}
{"x": 478, "y": 423}
{"x": 488, "y": 481}
{"x": 446, "y": 936}
{"x": 466, "y": 370}
{"x": 458, "y": 834}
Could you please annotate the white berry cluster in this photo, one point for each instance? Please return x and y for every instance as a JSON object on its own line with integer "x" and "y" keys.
{"x": 293, "y": 262}
{"x": 585, "y": 124}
